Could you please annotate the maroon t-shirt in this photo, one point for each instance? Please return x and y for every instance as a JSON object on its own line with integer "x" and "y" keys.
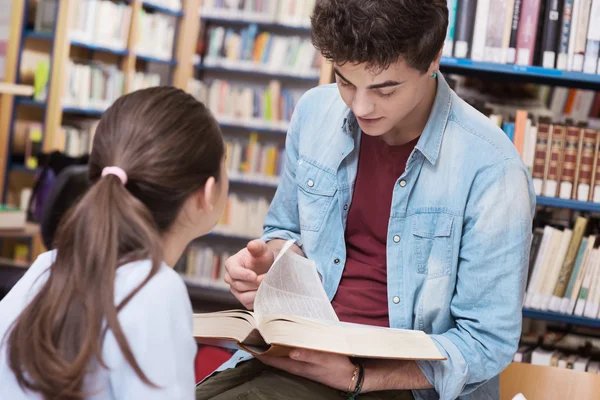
{"x": 362, "y": 294}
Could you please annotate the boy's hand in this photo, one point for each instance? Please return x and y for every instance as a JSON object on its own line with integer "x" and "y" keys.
{"x": 246, "y": 269}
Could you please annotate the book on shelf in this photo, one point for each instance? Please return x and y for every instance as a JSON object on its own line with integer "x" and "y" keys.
{"x": 244, "y": 215}
{"x": 75, "y": 138}
{"x": 561, "y": 156}
{"x": 4, "y": 33}
{"x": 173, "y": 5}
{"x": 27, "y": 143}
{"x": 251, "y": 50}
{"x": 564, "y": 270}
{"x": 100, "y": 23}
{"x": 144, "y": 80}
{"x": 292, "y": 13}
{"x": 560, "y": 350}
{"x": 205, "y": 265}
{"x": 12, "y": 218}
{"x": 549, "y": 33}
{"x": 292, "y": 310}
{"x": 254, "y": 161}
{"x": 251, "y": 104}
{"x": 44, "y": 15}
{"x": 35, "y": 70}
{"x": 156, "y": 35}
{"x": 463, "y": 33}
{"x": 92, "y": 86}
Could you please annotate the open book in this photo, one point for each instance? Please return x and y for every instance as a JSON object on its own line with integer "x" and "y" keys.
{"x": 291, "y": 310}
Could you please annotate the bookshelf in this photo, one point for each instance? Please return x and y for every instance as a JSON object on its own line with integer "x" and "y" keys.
{"x": 532, "y": 74}
{"x": 69, "y": 42}
{"x": 561, "y": 318}
{"x": 245, "y": 20}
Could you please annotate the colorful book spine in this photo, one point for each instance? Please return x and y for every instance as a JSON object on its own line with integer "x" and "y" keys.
{"x": 554, "y": 166}
{"x": 541, "y": 153}
{"x": 567, "y": 179}
{"x": 586, "y": 164}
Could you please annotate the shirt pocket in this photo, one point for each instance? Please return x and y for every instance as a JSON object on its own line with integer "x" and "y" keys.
{"x": 432, "y": 235}
{"x": 316, "y": 191}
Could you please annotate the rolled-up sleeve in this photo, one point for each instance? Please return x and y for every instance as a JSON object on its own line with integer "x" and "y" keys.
{"x": 283, "y": 220}
{"x": 492, "y": 271}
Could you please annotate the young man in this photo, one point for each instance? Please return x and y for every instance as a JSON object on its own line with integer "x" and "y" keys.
{"x": 415, "y": 207}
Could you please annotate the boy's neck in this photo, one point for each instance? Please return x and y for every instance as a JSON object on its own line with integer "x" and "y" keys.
{"x": 413, "y": 125}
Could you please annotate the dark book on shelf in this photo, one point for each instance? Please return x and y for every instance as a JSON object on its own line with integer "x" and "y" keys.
{"x": 465, "y": 23}
{"x": 551, "y": 32}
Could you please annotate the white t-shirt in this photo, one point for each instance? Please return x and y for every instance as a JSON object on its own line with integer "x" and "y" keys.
{"x": 157, "y": 323}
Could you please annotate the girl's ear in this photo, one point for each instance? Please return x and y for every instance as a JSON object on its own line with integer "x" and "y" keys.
{"x": 206, "y": 195}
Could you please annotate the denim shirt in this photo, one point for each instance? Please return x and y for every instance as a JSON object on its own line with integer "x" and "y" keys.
{"x": 458, "y": 238}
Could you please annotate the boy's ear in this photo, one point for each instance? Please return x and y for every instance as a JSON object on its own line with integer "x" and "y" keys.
{"x": 205, "y": 195}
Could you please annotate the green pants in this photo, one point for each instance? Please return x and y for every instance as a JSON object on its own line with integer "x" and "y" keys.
{"x": 252, "y": 380}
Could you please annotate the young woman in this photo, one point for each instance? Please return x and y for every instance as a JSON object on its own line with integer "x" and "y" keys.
{"x": 104, "y": 316}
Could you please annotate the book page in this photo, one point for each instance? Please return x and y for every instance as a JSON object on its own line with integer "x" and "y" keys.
{"x": 292, "y": 287}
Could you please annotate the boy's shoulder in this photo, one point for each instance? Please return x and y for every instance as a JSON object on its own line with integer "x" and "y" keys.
{"x": 321, "y": 100}
{"x": 478, "y": 132}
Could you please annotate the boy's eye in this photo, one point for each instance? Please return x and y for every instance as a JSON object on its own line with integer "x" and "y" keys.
{"x": 388, "y": 94}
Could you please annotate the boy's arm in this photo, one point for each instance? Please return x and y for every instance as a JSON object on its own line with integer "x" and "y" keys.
{"x": 492, "y": 270}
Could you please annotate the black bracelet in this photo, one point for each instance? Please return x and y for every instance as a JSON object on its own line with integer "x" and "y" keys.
{"x": 360, "y": 379}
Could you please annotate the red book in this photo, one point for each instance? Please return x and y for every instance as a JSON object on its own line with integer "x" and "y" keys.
{"x": 595, "y": 112}
{"x": 528, "y": 28}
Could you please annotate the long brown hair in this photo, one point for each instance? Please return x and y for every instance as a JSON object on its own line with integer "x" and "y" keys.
{"x": 169, "y": 145}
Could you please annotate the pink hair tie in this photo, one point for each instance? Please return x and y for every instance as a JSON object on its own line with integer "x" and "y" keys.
{"x": 118, "y": 171}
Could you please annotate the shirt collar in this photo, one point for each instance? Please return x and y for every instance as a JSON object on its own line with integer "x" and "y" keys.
{"x": 431, "y": 139}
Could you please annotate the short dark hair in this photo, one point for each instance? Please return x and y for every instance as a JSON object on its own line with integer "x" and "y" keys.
{"x": 380, "y": 32}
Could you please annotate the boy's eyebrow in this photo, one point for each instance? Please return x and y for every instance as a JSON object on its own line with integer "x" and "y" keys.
{"x": 375, "y": 86}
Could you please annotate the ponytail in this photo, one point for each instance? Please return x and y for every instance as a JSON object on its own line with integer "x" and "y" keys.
{"x": 169, "y": 145}
{"x": 55, "y": 339}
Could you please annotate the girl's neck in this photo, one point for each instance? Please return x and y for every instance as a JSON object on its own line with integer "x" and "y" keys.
{"x": 173, "y": 247}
